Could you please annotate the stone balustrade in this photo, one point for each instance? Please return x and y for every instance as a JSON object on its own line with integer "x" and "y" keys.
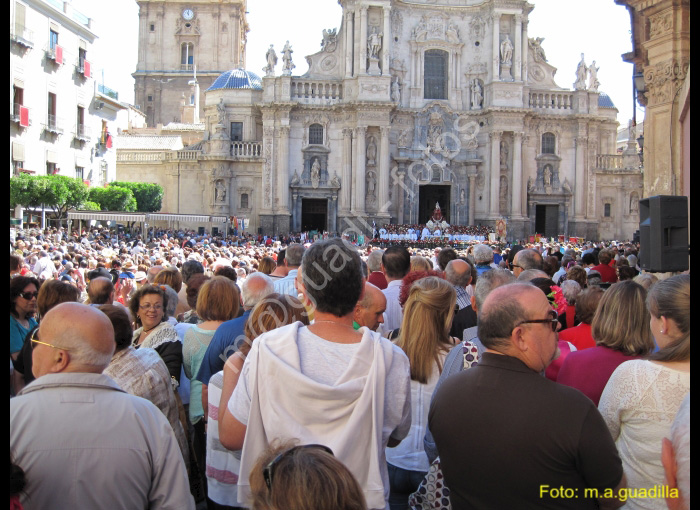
{"x": 610, "y": 161}
{"x": 551, "y": 100}
{"x": 316, "y": 91}
{"x": 246, "y": 149}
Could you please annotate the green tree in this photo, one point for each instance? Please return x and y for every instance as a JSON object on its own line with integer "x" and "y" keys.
{"x": 113, "y": 198}
{"x": 149, "y": 197}
{"x": 57, "y": 192}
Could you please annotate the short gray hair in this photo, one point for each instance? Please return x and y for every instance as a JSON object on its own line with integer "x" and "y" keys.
{"x": 173, "y": 300}
{"x": 458, "y": 279}
{"x": 374, "y": 260}
{"x": 483, "y": 254}
{"x": 82, "y": 352}
{"x": 571, "y": 289}
{"x": 255, "y": 288}
{"x": 294, "y": 254}
{"x": 488, "y": 281}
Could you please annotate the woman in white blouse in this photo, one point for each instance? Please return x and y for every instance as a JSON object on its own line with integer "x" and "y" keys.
{"x": 642, "y": 397}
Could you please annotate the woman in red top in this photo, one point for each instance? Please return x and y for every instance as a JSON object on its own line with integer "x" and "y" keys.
{"x": 586, "y": 305}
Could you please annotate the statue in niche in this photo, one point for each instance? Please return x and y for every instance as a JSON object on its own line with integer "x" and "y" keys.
{"x": 581, "y": 72}
{"x": 452, "y": 33}
{"x": 462, "y": 196}
{"x": 437, "y": 213}
{"x": 504, "y": 157}
{"x": 219, "y": 191}
{"x": 634, "y": 202}
{"x": 371, "y": 151}
{"x": 547, "y": 176}
{"x": 374, "y": 43}
{"x": 287, "y": 64}
{"x": 403, "y": 138}
{"x": 477, "y": 94}
{"x": 315, "y": 173}
{"x": 396, "y": 91}
{"x": 335, "y": 181}
{"x": 420, "y": 33}
{"x": 530, "y": 183}
{"x": 295, "y": 179}
{"x": 593, "y": 82}
{"x": 221, "y": 111}
{"x": 330, "y": 40}
{"x": 371, "y": 183}
{"x": 271, "y": 58}
{"x": 535, "y": 44}
{"x": 506, "y": 51}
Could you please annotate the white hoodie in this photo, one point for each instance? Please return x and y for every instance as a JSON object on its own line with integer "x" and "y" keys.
{"x": 355, "y": 416}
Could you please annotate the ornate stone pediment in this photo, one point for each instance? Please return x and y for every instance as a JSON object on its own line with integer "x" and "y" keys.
{"x": 436, "y": 27}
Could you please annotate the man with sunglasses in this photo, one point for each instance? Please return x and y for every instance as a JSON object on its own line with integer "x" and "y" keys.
{"x": 81, "y": 440}
{"x": 533, "y": 434}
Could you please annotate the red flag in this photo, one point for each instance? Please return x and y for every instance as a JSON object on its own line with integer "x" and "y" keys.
{"x": 86, "y": 68}
{"x": 109, "y": 141}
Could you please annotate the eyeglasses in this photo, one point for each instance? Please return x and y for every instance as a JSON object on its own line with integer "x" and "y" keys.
{"x": 553, "y": 320}
{"x": 35, "y": 341}
{"x": 29, "y": 295}
{"x": 149, "y": 306}
{"x": 269, "y": 470}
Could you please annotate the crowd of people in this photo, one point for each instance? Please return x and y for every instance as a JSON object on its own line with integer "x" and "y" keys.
{"x": 180, "y": 370}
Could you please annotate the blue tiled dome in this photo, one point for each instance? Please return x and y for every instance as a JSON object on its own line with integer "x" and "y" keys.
{"x": 604, "y": 101}
{"x": 237, "y": 79}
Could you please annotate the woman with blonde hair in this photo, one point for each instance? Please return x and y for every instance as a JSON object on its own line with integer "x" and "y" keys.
{"x": 643, "y": 396}
{"x": 267, "y": 265}
{"x": 621, "y": 332}
{"x": 425, "y": 339}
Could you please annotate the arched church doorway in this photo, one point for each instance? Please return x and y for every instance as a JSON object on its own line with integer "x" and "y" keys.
{"x": 428, "y": 196}
{"x": 314, "y": 214}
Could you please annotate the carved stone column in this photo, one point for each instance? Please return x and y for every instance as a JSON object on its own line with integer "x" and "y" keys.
{"x": 519, "y": 48}
{"x": 472, "y": 197}
{"x": 348, "y": 43}
{"x": 496, "y": 27}
{"x": 516, "y": 207}
{"x": 283, "y": 172}
{"x": 384, "y": 163}
{"x": 386, "y": 41}
{"x": 494, "y": 173}
{"x": 524, "y": 49}
{"x": 401, "y": 191}
{"x": 346, "y": 183}
{"x": 363, "y": 40}
{"x": 580, "y": 200}
{"x": 360, "y": 171}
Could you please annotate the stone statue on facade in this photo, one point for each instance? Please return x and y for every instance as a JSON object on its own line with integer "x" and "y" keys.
{"x": 287, "y": 64}
{"x": 371, "y": 151}
{"x": 507, "y": 51}
{"x": 221, "y": 112}
{"x": 477, "y": 95}
{"x": 371, "y": 183}
{"x": 374, "y": 43}
{"x": 535, "y": 44}
{"x": 220, "y": 191}
{"x": 271, "y": 58}
{"x": 581, "y": 72}
{"x": 547, "y": 176}
{"x": 330, "y": 40}
{"x": 452, "y": 33}
{"x": 395, "y": 91}
{"x": 593, "y": 82}
{"x": 295, "y": 179}
{"x": 504, "y": 157}
{"x": 335, "y": 181}
{"x": 631, "y": 130}
{"x": 315, "y": 173}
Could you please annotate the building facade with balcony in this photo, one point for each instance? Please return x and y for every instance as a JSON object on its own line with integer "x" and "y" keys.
{"x": 407, "y": 105}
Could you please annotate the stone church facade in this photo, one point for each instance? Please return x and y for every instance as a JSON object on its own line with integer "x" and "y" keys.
{"x": 406, "y": 105}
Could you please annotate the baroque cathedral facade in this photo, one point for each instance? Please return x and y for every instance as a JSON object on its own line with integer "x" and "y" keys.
{"x": 405, "y": 105}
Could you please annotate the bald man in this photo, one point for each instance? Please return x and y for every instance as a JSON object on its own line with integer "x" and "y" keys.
{"x": 369, "y": 310}
{"x": 527, "y": 259}
{"x": 534, "y": 435}
{"x": 81, "y": 440}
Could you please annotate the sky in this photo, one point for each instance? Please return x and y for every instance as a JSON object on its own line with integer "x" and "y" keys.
{"x": 598, "y": 28}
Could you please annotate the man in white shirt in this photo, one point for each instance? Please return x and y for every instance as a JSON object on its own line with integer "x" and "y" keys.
{"x": 396, "y": 263}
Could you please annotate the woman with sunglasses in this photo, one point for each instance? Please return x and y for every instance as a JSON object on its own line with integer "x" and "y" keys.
{"x": 148, "y": 308}
{"x": 621, "y": 332}
{"x": 23, "y": 293}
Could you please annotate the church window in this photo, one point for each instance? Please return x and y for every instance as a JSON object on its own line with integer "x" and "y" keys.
{"x": 236, "y": 131}
{"x": 607, "y": 210}
{"x": 244, "y": 200}
{"x": 315, "y": 134}
{"x": 187, "y": 56}
{"x": 435, "y": 74}
{"x": 548, "y": 143}
{"x": 152, "y": 27}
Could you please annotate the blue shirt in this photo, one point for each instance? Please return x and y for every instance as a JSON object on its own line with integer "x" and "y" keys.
{"x": 286, "y": 284}
{"x": 223, "y": 345}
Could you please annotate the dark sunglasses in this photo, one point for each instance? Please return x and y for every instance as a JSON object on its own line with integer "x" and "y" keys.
{"x": 553, "y": 320}
{"x": 269, "y": 470}
{"x": 29, "y": 295}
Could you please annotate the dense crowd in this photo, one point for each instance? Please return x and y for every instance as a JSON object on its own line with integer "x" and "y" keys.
{"x": 176, "y": 369}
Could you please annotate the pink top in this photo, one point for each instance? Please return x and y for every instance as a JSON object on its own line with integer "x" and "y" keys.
{"x": 589, "y": 370}
{"x": 580, "y": 336}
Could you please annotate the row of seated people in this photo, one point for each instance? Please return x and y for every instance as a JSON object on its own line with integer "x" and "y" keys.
{"x": 412, "y": 232}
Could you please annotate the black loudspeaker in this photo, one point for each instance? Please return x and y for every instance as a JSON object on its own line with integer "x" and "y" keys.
{"x": 663, "y": 232}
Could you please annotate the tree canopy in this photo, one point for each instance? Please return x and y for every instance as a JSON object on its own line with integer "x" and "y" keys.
{"x": 113, "y": 198}
{"x": 149, "y": 197}
{"x": 57, "y": 192}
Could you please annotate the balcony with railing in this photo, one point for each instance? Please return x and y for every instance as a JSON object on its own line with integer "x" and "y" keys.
{"x": 54, "y": 53}
{"x": 106, "y": 91}
{"x": 246, "y": 149}
{"x": 626, "y": 162}
{"x": 309, "y": 91}
{"x": 21, "y": 35}
{"x": 186, "y": 67}
{"x": 551, "y": 100}
{"x": 53, "y": 124}
{"x": 82, "y": 133}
